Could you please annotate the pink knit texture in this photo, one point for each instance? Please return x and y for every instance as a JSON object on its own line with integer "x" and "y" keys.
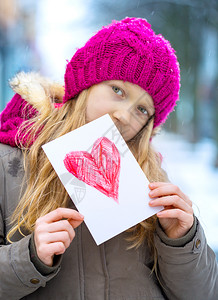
{"x": 128, "y": 50}
{"x": 16, "y": 112}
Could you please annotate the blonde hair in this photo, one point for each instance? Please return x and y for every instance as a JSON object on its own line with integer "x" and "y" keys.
{"x": 44, "y": 191}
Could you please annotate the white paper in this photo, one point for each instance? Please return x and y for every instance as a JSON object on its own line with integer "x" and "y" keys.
{"x": 104, "y": 217}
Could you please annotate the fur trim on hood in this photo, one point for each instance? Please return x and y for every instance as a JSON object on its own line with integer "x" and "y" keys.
{"x": 34, "y": 95}
{"x": 38, "y": 91}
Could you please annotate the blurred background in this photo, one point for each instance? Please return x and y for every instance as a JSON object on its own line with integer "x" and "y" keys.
{"x": 41, "y": 35}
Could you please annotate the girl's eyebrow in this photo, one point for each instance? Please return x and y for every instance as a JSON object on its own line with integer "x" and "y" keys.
{"x": 117, "y": 83}
{"x": 146, "y": 103}
{"x": 149, "y": 103}
{"x": 146, "y": 100}
{"x": 120, "y": 84}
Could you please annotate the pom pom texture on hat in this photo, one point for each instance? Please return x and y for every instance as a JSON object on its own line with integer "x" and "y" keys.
{"x": 127, "y": 50}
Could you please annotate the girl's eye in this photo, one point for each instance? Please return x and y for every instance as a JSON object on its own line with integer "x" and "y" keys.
{"x": 117, "y": 90}
{"x": 142, "y": 110}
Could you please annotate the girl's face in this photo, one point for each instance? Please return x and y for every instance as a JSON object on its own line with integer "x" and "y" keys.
{"x": 128, "y": 105}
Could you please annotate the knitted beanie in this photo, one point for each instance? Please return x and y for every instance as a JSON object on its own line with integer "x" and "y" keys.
{"x": 128, "y": 50}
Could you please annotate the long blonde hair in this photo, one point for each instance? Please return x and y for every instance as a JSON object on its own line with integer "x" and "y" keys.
{"x": 43, "y": 189}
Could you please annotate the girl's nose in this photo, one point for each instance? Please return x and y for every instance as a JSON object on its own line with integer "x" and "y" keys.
{"x": 123, "y": 116}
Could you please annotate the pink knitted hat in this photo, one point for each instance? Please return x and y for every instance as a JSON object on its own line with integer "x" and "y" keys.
{"x": 128, "y": 50}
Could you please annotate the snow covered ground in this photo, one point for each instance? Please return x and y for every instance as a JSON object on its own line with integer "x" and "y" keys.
{"x": 190, "y": 166}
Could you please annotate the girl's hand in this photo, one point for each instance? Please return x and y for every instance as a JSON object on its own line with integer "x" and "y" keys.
{"x": 177, "y": 217}
{"x": 54, "y": 232}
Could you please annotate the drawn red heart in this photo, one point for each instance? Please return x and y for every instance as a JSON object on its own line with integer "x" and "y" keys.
{"x": 99, "y": 169}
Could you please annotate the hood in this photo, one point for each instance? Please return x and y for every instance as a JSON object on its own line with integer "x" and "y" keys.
{"x": 34, "y": 95}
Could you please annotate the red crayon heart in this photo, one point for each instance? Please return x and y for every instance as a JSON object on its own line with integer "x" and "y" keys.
{"x": 99, "y": 169}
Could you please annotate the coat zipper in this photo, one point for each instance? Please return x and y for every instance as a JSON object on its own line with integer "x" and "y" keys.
{"x": 105, "y": 271}
{"x": 80, "y": 262}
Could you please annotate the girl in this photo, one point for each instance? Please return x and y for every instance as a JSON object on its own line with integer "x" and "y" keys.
{"x": 46, "y": 251}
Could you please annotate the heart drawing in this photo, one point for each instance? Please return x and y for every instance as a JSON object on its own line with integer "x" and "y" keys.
{"x": 99, "y": 169}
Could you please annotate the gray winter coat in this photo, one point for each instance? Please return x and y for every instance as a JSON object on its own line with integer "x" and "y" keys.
{"x": 187, "y": 266}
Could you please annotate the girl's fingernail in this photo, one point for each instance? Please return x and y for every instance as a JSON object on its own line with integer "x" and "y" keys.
{"x": 81, "y": 215}
{"x": 151, "y": 193}
{"x": 151, "y": 202}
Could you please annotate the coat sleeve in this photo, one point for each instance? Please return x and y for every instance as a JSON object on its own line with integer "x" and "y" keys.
{"x": 189, "y": 271}
{"x": 18, "y": 275}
